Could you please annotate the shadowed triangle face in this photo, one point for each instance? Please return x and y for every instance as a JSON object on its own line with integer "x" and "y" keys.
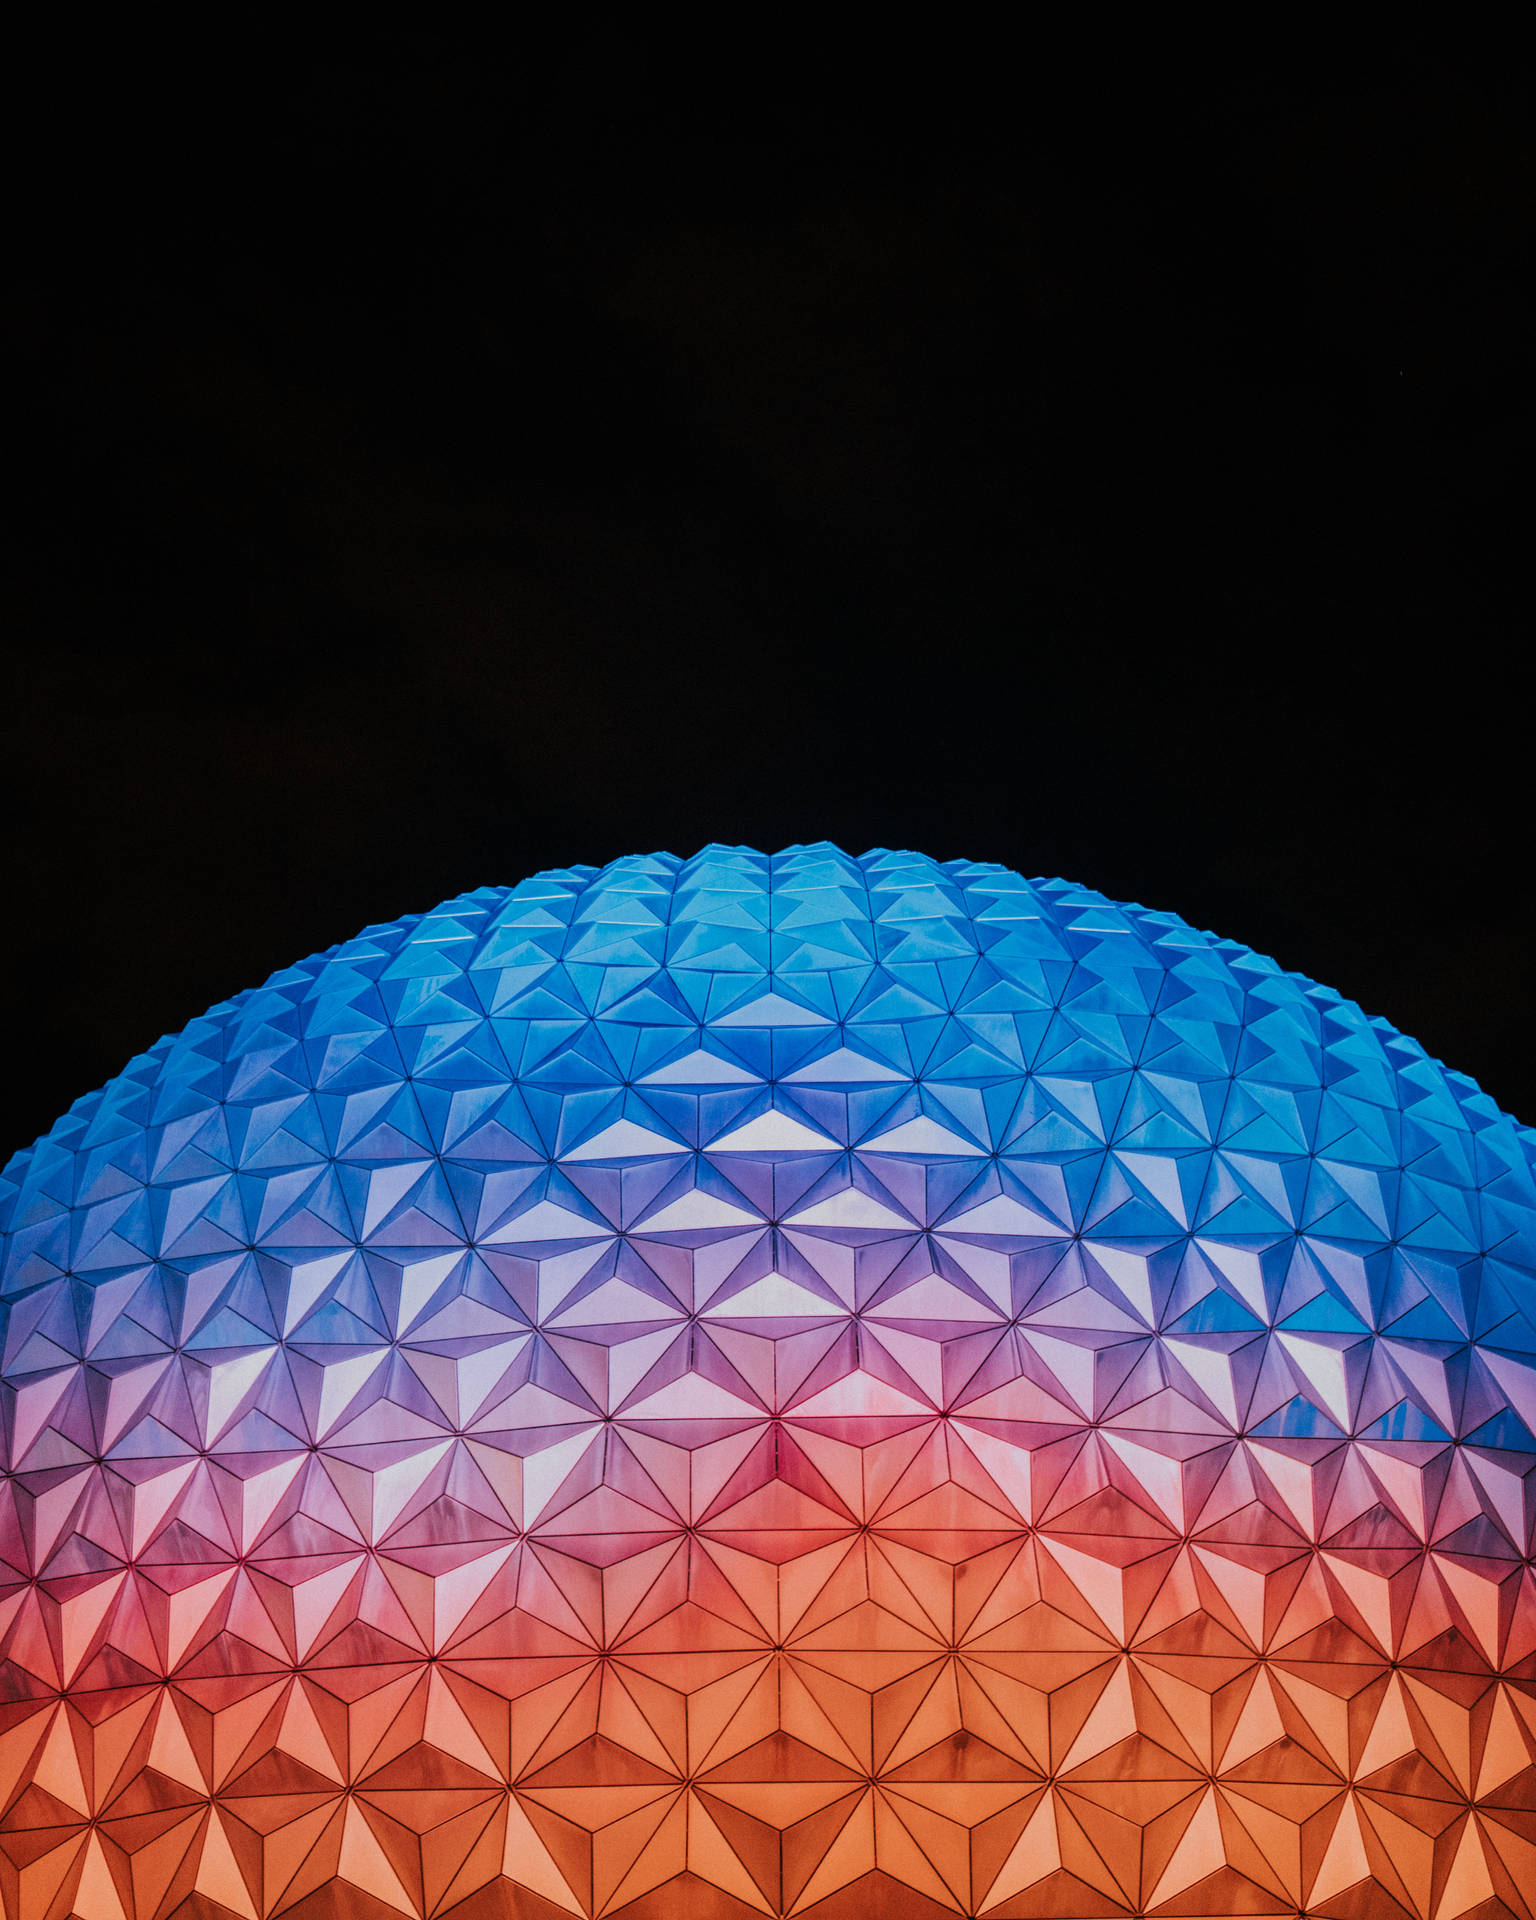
{"x": 772, "y": 1384}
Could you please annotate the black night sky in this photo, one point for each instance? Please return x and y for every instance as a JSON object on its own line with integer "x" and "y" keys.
{"x": 439, "y": 461}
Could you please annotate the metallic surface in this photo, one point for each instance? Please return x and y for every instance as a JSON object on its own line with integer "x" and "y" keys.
{"x": 808, "y": 1384}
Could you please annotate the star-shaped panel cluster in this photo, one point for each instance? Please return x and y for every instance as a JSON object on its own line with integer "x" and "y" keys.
{"x": 772, "y": 1385}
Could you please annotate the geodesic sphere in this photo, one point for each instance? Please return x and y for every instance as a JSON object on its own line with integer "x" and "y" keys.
{"x": 797, "y": 1384}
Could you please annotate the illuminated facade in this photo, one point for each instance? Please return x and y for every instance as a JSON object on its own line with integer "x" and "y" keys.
{"x": 802, "y": 1385}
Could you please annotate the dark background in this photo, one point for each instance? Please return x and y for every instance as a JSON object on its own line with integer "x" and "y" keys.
{"x": 441, "y": 461}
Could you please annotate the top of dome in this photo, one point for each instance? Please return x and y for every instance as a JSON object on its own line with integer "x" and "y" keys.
{"x": 761, "y": 1033}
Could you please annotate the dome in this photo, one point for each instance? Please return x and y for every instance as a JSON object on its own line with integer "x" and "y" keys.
{"x": 796, "y": 1384}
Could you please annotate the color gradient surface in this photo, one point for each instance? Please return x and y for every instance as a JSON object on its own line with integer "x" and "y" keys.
{"x": 772, "y": 1385}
